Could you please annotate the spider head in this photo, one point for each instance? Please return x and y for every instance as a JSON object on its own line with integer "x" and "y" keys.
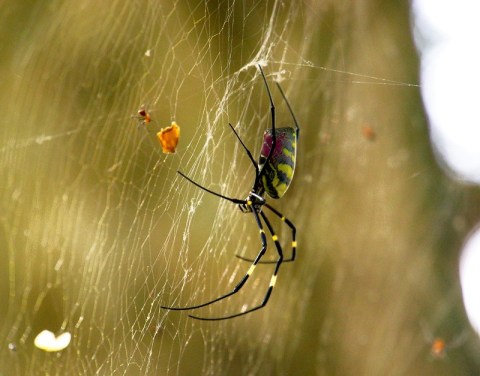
{"x": 254, "y": 201}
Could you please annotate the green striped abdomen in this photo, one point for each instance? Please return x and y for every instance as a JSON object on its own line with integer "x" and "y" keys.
{"x": 277, "y": 174}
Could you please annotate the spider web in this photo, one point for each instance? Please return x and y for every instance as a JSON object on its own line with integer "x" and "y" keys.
{"x": 98, "y": 230}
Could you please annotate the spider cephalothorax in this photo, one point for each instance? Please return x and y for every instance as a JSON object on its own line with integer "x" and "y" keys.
{"x": 253, "y": 202}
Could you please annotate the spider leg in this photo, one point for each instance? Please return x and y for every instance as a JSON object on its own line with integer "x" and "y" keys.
{"x": 292, "y": 227}
{"x": 255, "y": 164}
{"x": 239, "y": 284}
{"x": 274, "y": 137}
{"x": 289, "y": 109}
{"x": 234, "y": 200}
{"x": 294, "y": 242}
{"x": 255, "y": 262}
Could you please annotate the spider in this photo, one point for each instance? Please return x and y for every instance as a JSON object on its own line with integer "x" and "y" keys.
{"x": 273, "y": 175}
{"x": 143, "y": 116}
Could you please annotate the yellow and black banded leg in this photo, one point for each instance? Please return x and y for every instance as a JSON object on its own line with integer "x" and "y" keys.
{"x": 292, "y": 227}
{"x": 237, "y": 287}
{"x": 275, "y": 237}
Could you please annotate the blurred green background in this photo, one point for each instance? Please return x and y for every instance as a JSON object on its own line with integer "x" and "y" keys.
{"x": 97, "y": 229}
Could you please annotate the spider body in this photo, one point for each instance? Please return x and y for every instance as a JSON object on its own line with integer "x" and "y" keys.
{"x": 273, "y": 175}
{"x": 278, "y": 172}
{"x": 143, "y": 115}
{"x": 253, "y": 202}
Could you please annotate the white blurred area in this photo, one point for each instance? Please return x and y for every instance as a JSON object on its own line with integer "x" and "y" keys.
{"x": 470, "y": 278}
{"x": 447, "y": 34}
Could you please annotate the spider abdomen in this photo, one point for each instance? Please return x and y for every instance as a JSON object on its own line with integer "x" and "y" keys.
{"x": 277, "y": 174}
